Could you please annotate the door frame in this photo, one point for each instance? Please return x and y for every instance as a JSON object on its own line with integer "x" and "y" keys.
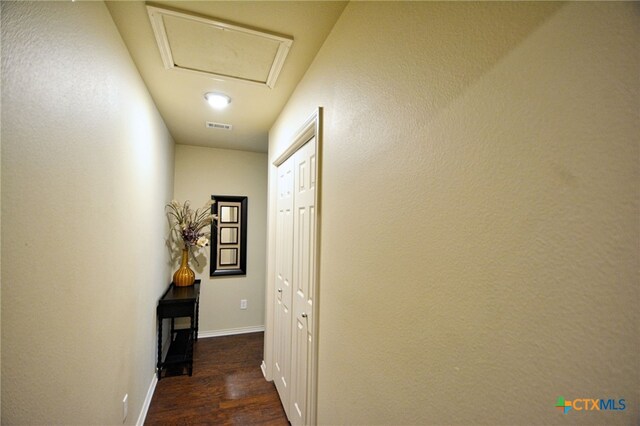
{"x": 312, "y": 127}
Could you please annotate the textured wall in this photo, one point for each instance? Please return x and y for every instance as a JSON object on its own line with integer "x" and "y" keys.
{"x": 87, "y": 166}
{"x": 0, "y": 232}
{"x": 480, "y": 241}
{"x": 200, "y": 173}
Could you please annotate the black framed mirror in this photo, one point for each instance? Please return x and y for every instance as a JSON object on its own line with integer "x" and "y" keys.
{"x": 229, "y": 236}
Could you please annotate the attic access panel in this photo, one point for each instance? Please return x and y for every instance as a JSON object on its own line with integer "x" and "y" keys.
{"x": 218, "y": 49}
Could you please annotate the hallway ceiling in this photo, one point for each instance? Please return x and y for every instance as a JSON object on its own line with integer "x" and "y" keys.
{"x": 179, "y": 94}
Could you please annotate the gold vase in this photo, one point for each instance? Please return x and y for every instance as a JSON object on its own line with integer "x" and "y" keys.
{"x": 184, "y": 276}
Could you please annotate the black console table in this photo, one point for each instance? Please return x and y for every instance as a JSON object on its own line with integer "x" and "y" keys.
{"x": 178, "y": 302}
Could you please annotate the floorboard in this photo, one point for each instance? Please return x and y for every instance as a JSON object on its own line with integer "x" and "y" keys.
{"x": 227, "y": 387}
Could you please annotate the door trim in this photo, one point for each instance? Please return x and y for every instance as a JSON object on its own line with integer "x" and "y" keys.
{"x": 311, "y": 127}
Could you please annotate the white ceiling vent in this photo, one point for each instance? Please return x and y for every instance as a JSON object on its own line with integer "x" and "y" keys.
{"x": 218, "y": 49}
{"x": 221, "y": 126}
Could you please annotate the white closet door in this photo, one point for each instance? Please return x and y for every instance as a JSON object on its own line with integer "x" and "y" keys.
{"x": 293, "y": 334}
{"x": 304, "y": 196}
{"x": 284, "y": 273}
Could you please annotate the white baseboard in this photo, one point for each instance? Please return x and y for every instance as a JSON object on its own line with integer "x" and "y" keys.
{"x": 263, "y": 367}
{"x": 147, "y": 401}
{"x": 230, "y": 331}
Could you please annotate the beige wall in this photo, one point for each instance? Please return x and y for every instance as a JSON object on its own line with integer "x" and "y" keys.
{"x": 87, "y": 167}
{"x": 480, "y": 242}
{"x": 200, "y": 173}
{"x": 0, "y": 228}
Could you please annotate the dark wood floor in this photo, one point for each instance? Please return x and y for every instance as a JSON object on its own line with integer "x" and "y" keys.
{"x": 227, "y": 387}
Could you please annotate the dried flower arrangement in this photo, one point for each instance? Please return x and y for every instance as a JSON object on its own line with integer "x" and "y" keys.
{"x": 191, "y": 225}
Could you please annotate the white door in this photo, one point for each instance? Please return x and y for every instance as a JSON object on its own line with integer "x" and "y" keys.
{"x": 295, "y": 280}
{"x": 293, "y": 338}
{"x": 284, "y": 272}
{"x": 304, "y": 197}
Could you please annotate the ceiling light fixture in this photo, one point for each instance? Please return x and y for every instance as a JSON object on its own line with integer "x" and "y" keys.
{"x": 217, "y": 100}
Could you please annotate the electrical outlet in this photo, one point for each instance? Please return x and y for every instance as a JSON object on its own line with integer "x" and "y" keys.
{"x": 243, "y": 304}
{"x": 125, "y": 407}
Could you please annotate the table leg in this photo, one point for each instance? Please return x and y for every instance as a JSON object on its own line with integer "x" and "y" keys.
{"x": 159, "y": 348}
{"x": 197, "y": 317}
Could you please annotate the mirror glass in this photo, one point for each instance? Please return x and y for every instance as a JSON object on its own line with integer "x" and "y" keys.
{"x": 228, "y": 235}
{"x": 228, "y": 214}
{"x": 228, "y": 256}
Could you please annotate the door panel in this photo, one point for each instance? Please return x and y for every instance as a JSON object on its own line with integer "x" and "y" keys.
{"x": 295, "y": 280}
{"x": 284, "y": 279}
{"x": 303, "y": 278}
